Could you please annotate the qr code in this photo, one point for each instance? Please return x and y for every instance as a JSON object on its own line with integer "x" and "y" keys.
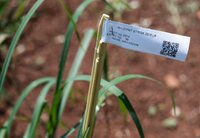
{"x": 169, "y": 48}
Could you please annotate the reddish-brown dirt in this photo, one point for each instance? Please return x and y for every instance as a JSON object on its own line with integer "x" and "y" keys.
{"x": 51, "y": 21}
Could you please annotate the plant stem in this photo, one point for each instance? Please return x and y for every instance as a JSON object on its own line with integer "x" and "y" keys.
{"x": 99, "y": 55}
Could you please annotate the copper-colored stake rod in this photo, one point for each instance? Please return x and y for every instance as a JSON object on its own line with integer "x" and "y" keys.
{"x": 99, "y": 55}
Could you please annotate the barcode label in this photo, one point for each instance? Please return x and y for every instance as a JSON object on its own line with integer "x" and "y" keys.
{"x": 169, "y": 48}
{"x": 145, "y": 40}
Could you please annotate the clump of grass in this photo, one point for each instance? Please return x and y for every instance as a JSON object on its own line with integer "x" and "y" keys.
{"x": 64, "y": 86}
{"x": 15, "y": 41}
{"x": 10, "y": 18}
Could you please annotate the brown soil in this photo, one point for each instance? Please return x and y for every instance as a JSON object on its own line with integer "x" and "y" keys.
{"x": 38, "y": 39}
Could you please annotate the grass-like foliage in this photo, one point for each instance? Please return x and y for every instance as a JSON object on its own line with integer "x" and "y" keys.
{"x": 10, "y": 17}
{"x": 15, "y": 40}
{"x": 63, "y": 86}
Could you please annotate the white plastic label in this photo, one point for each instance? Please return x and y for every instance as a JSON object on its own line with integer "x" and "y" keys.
{"x": 146, "y": 40}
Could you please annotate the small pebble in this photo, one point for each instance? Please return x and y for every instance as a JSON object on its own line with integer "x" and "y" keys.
{"x": 39, "y": 61}
{"x": 135, "y": 4}
{"x": 152, "y": 110}
{"x": 59, "y": 39}
{"x": 146, "y": 22}
{"x": 170, "y": 123}
{"x": 171, "y": 81}
{"x": 3, "y": 37}
{"x": 20, "y": 49}
{"x": 118, "y": 134}
{"x": 176, "y": 112}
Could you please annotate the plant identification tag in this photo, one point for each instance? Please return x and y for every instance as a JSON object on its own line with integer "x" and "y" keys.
{"x": 145, "y": 40}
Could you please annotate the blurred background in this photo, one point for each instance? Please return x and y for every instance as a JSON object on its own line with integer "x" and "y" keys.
{"x": 38, "y": 52}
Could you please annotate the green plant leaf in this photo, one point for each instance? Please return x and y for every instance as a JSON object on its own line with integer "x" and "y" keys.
{"x": 71, "y": 130}
{"x": 3, "y": 5}
{"x": 80, "y": 123}
{"x": 80, "y": 129}
{"x": 126, "y": 4}
{"x": 110, "y": 86}
{"x": 68, "y": 36}
{"x": 19, "y": 102}
{"x": 74, "y": 70}
{"x": 109, "y": 5}
{"x": 16, "y": 39}
{"x": 53, "y": 119}
{"x": 173, "y": 99}
{"x": 20, "y": 9}
{"x": 123, "y": 97}
{"x": 132, "y": 112}
{"x": 40, "y": 104}
{"x": 69, "y": 15}
{"x": 105, "y": 68}
{"x": 86, "y": 133}
{"x": 124, "y": 78}
{"x": 123, "y": 108}
{"x": 75, "y": 67}
{"x": 29, "y": 131}
{"x": 3, "y": 131}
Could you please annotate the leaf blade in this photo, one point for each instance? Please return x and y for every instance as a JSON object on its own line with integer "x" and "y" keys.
{"x": 19, "y": 102}
{"x": 30, "y": 132}
{"x": 133, "y": 114}
{"x": 75, "y": 67}
{"x": 53, "y": 121}
{"x": 110, "y": 86}
{"x": 15, "y": 41}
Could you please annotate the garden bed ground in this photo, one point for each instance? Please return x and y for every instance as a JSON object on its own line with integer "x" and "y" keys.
{"x": 41, "y": 46}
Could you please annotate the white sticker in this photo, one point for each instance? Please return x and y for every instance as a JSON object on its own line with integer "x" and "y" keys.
{"x": 146, "y": 40}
